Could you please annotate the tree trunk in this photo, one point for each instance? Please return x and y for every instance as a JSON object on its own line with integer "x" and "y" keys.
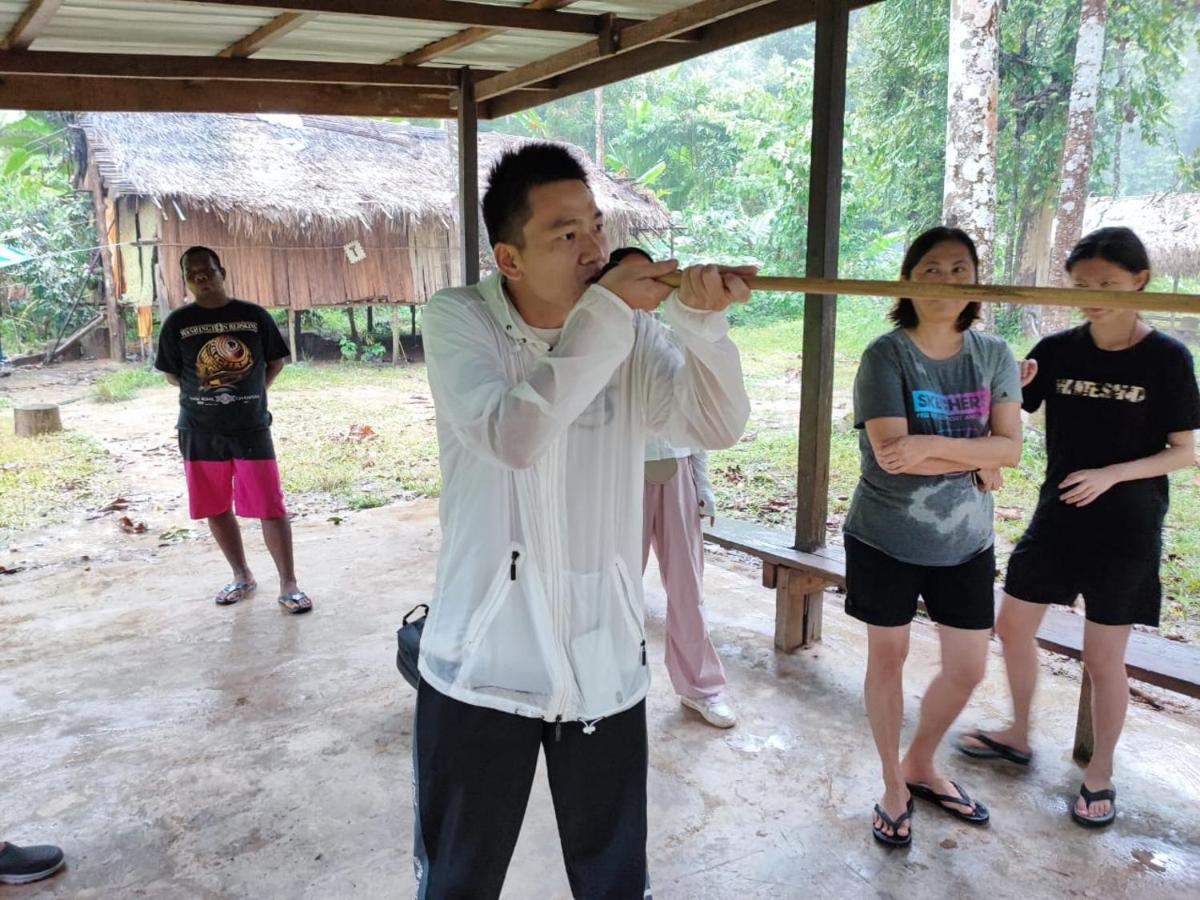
{"x": 1122, "y": 117}
{"x": 353, "y": 324}
{"x": 36, "y": 418}
{"x": 599, "y": 103}
{"x": 1033, "y": 255}
{"x": 1077, "y": 149}
{"x": 969, "y": 200}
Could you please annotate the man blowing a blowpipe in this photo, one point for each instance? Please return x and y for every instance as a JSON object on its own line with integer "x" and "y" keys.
{"x": 546, "y": 381}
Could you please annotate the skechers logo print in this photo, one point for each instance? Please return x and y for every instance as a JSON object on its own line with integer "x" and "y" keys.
{"x": 970, "y": 405}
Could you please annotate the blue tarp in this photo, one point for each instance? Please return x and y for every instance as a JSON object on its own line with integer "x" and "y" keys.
{"x": 11, "y": 256}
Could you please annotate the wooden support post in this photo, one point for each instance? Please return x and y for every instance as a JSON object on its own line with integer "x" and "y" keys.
{"x": 1085, "y": 741}
{"x": 115, "y": 322}
{"x": 789, "y": 612}
{"x": 468, "y": 177}
{"x": 294, "y": 334}
{"x": 799, "y": 600}
{"x": 824, "y": 222}
{"x": 396, "y": 348}
{"x": 36, "y": 418}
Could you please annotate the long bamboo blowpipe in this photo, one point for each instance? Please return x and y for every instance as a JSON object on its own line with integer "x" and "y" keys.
{"x": 988, "y": 293}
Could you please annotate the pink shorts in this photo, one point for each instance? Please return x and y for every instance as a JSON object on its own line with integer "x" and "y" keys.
{"x": 237, "y": 471}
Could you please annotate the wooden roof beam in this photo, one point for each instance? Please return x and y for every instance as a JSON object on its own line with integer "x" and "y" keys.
{"x": 452, "y": 12}
{"x": 73, "y": 93}
{"x": 465, "y": 38}
{"x": 281, "y": 25}
{"x": 187, "y": 68}
{"x": 33, "y": 20}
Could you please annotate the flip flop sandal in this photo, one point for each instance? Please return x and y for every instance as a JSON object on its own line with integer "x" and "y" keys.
{"x": 234, "y": 592}
{"x": 894, "y": 839}
{"x": 992, "y": 749}
{"x": 925, "y": 792}
{"x": 1091, "y": 797}
{"x": 303, "y": 604}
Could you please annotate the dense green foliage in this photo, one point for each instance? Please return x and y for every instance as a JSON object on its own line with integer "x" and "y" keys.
{"x": 42, "y": 215}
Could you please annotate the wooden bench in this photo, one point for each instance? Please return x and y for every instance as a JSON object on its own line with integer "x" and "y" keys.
{"x": 800, "y": 580}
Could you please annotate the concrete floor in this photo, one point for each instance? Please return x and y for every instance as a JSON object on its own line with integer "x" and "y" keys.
{"x": 178, "y": 750}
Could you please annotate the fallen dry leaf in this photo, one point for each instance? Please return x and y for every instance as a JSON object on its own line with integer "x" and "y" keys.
{"x": 361, "y": 432}
{"x": 118, "y": 504}
{"x": 9, "y": 570}
{"x": 129, "y": 526}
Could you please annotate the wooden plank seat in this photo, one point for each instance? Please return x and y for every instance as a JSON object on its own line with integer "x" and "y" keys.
{"x": 800, "y": 580}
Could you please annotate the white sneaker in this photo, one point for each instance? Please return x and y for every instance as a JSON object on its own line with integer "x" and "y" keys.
{"x": 715, "y": 710}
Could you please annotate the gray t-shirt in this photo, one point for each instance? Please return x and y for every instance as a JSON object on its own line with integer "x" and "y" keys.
{"x": 930, "y": 520}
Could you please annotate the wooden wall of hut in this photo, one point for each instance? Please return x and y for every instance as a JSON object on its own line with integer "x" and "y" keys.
{"x": 301, "y": 268}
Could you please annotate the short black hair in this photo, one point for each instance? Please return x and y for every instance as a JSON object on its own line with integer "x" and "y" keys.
{"x": 614, "y": 258}
{"x": 506, "y": 200}
{"x": 198, "y": 249}
{"x": 1115, "y": 244}
{"x": 904, "y": 314}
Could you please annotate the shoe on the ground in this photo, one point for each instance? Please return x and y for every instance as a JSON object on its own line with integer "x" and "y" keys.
{"x": 21, "y": 865}
{"x": 715, "y": 710}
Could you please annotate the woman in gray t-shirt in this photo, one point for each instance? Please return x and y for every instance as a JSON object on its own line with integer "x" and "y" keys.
{"x": 938, "y": 405}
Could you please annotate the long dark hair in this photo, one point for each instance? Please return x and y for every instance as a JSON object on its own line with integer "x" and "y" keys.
{"x": 1115, "y": 244}
{"x": 904, "y": 314}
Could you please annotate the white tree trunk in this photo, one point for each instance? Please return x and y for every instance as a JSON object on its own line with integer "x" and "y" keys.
{"x": 598, "y": 103}
{"x": 1077, "y": 148}
{"x": 969, "y": 200}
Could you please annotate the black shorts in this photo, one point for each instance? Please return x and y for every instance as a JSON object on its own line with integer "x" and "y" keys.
{"x": 882, "y": 590}
{"x": 197, "y": 445}
{"x": 1118, "y": 588}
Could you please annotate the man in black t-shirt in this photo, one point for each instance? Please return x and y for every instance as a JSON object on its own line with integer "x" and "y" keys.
{"x": 224, "y": 353}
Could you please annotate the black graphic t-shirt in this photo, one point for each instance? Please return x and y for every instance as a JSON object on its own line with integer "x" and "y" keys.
{"x": 220, "y": 357}
{"x": 1105, "y": 407}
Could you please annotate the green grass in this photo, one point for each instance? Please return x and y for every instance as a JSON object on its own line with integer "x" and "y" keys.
{"x": 123, "y": 384}
{"x": 315, "y": 408}
{"x": 5, "y": 402}
{"x": 44, "y": 478}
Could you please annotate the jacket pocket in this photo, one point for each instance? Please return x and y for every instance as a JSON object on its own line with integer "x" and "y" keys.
{"x": 507, "y": 644}
{"x": 607, "y": 641}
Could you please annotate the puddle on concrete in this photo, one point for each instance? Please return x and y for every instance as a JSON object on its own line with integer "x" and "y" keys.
{"x": 753, "y": 743}
{"x": 1152, "y": 859}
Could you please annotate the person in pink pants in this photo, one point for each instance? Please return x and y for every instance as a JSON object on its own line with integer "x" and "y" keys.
{"x": 677, "y": 499}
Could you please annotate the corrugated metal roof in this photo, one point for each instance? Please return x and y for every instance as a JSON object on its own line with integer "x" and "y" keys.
{"x": 509, "y": 49}
{"x": 10, "y": 11}
{"x": 353, "y": 39}
{"x": 147, "y": 26}
{"x": 118, "y": 28}
{"x": 136, "y": 26}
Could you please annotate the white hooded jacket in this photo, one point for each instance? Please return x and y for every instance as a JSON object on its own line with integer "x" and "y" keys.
{"x": 538, "y": 606}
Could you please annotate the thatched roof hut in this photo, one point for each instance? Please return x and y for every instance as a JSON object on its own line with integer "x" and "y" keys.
{"x": 1169, "y": 224}
{"x": 305, "y": 210}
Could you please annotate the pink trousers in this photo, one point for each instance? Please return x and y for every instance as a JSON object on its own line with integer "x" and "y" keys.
{"x": 671, "y": 524}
